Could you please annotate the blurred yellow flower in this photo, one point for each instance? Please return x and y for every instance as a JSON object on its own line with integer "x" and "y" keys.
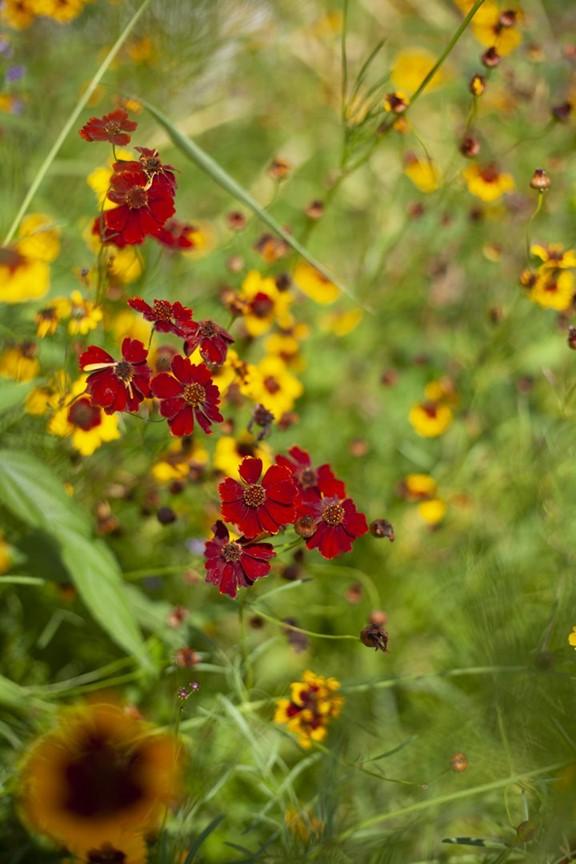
{"x": 62, "y": 11}
{"x": 19, "y": 362}
{"x": 5, "y": 555}
{"x": 553, "y": 289}
{"x": 410, "y": 67}
{"x": 181, "y": 460}
{"x": 265, "y": 304}
{"x": 572, "y": 638}
{"x": 418, "y": 486}
{"x": 271, "y": 384}
{"x": 141, "y": 50}
{"x": 128, "y": 323}
{"x": 430, "y": 419}
{"x": 314, "y": 284}
{"x": 86, "y": 424}
{"x": 554, "y": 256}
{"x": 84, "y": 315}
{"x": 487, "y": 182}
{"x": 303, "y": 824}
{"x": 24, "y": 270}
{"x": 233, "y": 371}
{"x": 230, "y": 451}
{"x": 341, "y": 323}
{"x": 496, "y": 25}
{"x": 433, "y": 511}
{"x": 312, "y": 705}
{"x": 48, "y": 396}
{"x": 424, "y": 175}
{"x": 287, "y": 347}
{"x": 18, "y": 14}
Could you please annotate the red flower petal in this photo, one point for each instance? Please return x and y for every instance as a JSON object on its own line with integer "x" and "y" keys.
{"x": 251, "y": 469}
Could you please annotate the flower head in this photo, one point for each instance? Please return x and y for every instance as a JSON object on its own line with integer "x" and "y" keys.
{"x": 313, "y": 704}
{"x": 271, "y": 384}
{"x": 114, "y": 128}
{"x": 167, "y": 317}
{"x": 552, "y": 289}
{"x": 334, "y": 522}
{"x": 305, "y": 475}
{"x": 210, "y": 338}
{"x": 144, "y": 205}
{"x": 187, "y": 396}
{"x": 314, "y": 284}
{"x": 265, "y": 304}
{"x": 87, "y": 425}
{"x": 259, "y": 504}
{"x": 232, "y": 564}
{"x": 553, "y": 256}
{"x": 117, "y": 385}
{"x": 430, "y": 419}
{"x": 487, "y": 182}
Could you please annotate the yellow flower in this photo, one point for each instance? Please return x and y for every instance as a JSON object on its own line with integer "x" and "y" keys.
{"x": 342, "y": 323}
{"x": 286, "y": 346}
{"x": 430, "y": 419}
{"x": 127, "y": 323}
{"x": 487, "y": 183}
{"x": 62, "y": 11}
{"x": 441, "y": 390}
{"x": 48, "y": 396}
{"x": 302, "y": 824}
{"x": 415, "y": 487}
{"x": 5, "y": 555}
{"x": 141, "y": 50}
{"x": 24, "y": 270}
{"x": 553, "y": 289}
{"x": 38, "y": 238}
{"x": 230, "y": 452}
{"x": 88, "y": 425}
{"x": 496, "y": 25}
{"x": 84, "y": 315}
{"x": 233, "y": 371}
{"x": 8, "y": 102}
{"x": 554, "y": 256}
{"x": 424, "y": 175}
{"x": 266, "y": 305}
{"x": 18, "y": 14}
{"x": 272, "y": 385}
{"x": 180, "y": 461}
{"x": 100, "y": 779}
{"x": 410, "y": 67}
{"x": 47, "y": 320}
{"x": 19, "y": 362}
{"x": 314, "y": 284}
{"x": 572, "y": 638}
{"x": 432, "y": 511}
{"x": 311, "y": 707}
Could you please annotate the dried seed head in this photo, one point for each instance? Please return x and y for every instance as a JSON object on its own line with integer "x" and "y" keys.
{"x": 375, "y": 637}
{"x": 279, "y": 168}
{"x": 305, "y": 526}
{"x": 166, "y": 515}
{"x": 459, "y": 762}
{"x": 540, "y": 180}
{"x": 469, "y": 147}
{"x": 381, "y": 528}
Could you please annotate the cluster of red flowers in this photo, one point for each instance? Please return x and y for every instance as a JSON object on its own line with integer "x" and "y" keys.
{"x": 142, "y": 189}
{"x": 187, "y": 394}
{"x": 290, "y": 492}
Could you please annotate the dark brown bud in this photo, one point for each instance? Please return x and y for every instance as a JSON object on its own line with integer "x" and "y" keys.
{"x": 495, "y": 314}
{"x": 315, "y": 209}
{"x": 256, "y": 622}
{"x": 572, "y": 338}
{"x": 236, "y": 220}
{"x": 185, "y": 658}
{"x": 395, "y": 103}
{"x": 540, "y": 180}
{"x": 490, "y": 58}
{"x": 528, "y": 278}
{"x": 469, "y": 147}
{"x": 381, "y": 528}
{"x": 416, "y": 210}
{"x": 166, "y": 516}
{"x": 235, "y": 263}
{"x": 459, "y": 762}
{"x": 389, "y": 377}
{"x": 375, "y": 637}
{"x": 508, "y": 18}
{"x": 305, "y": 526}
{"x": 354, "y": 593}
{"x": 177, "y": 616}
{"x": 279, "y": 168}
{"x": 562, "y": 112}
{"x": 378, "y": 617}
{"x": 283, "y": 282}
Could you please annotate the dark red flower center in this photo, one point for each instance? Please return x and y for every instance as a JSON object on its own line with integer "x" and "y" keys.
{"x": 151, "y": 164}
{"x": 11, "y": 258}
{"x": 254, "y": 495}
{"x": 113, "y": 127}
{"x": 84, "y": 415}
{"x": 246, "y": 448}
{"x": 124, "y": 371}
{"x": 490, "y": 174}
{"x": 333, "y": 514}
{"x": 307, "y": 478}
{"x": 232, "y": 552}
{"x": 430, "y": 410}
{"x": 136, "y": 197}
{"x": 551, "y": 286}
{"x": 194, "y": 394}
{"x": 163, "y": 310}
{"x": 271, "y": 385}
{"x": 106, "y": 855}
{"x": 261, "y": 306}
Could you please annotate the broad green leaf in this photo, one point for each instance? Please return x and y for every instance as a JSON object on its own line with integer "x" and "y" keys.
{"x": 36, "y": 496}
{"x": 220, "y": 176}
{"x": 13, "y": 393}
{"x": 96, "y": 575}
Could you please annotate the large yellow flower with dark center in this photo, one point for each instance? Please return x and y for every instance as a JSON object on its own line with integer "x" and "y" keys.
{"x": 100, "y": 781}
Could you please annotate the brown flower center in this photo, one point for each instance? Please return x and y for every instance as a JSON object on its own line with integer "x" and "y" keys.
{"x": 163, "y": 310}
{"x": 261, "y": 306}
{"x": 254, "y": 495}
{"x": 124, "y": 371}
{"x": 333, "y": 514}
{"x": 430, "y": 410}
{"x": 307, "y": 478}
{"x": 194, "y": 394}
{"x": 271, "y": 385}
{"x": 112, "y": 127}
{"x": 136, "y": 197}
{"x": 106, "y": 855}
{"x": 232, "y": 552}
{"x": 84, "y": 415}
{"x": 490, "y": 174}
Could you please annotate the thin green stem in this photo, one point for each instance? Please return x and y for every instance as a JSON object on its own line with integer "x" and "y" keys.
{"x": 300, "y": 629}
{"x": 79, "y": 107}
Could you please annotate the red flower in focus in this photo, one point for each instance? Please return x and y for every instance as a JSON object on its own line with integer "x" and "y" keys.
{"x": 233, "y": 564}
{"x": 335, "y": 518}
{"x": 212, "y": 340}
{"x": 117, "y": 385}
{"x": 188, "y": 394}
{"x": 167, "y": 317}
{"x": 149, "y": 161}
{"x": 259, "y": 506}
{"x": 177, "y": 235}
{"x": 113, "y": 127}
{"x": 143, "y": 209}
{"x": 308, "y": 477}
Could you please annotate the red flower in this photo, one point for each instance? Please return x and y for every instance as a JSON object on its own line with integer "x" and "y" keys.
{"x": 212, "y": 339}
{"x": 167, "y": 317}
{"x": 113, "y": 127}
{"x": 188, "y": 394}
{"x": 117, "y": 385}
{"x": 149, "y": 162}
{"x": 308, "y": 477}
{"x": 235, "y": 564}
{"x": 143, "y": 208}
{"x": 259, "y": 507}
{"x": 176, "y": 235}
{"x": 336, "y": 520}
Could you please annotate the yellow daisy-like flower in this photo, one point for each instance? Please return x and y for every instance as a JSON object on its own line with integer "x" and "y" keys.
{"x": 423, "y": 174}
{"x": 5, "y": 555}
{"x": 487, "y": 183}
{"x": 84, "y": 315}
{"x": 287, "y": 347}
{"x": 312, "y": 705}
{"x": 572, "y": 638}
{"x": 441, "y": 390}
{"x": 272, "y": 385}
{"x": 48, "y": 396}
{"x": 230, "y": 451}
{"x": 554, "y": 256}
{"x": 410, "y": 67}
{"x": 18, "y": 14}
{"x": 86, "y": 424}
{"x": 19, "y": 363}
{"x": 497, "y": 25}
{"x": 100, "y": 780}
{"x": 553, "y": 289}
{"x": 314, "y": 284}
{"x": 24, "y": 270}
{"x": 433, "y": 511}
{"x": 416, "y": 487}
{"x": 182, "y": 458}
{"x": 62, "y": 11}
{"x": 342, "y": 323}
{"x": 265, "y": 304}
{"x": 233, "y": 371}
{"x": 141, "y": 50}
{"x": 430, "y": 419}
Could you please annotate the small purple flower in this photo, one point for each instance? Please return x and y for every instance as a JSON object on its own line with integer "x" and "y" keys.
{"x": 15, "y": 73}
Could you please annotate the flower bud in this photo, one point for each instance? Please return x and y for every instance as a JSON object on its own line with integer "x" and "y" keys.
{"x": 459, "y": 762}
{"x": 375, "y": 637}
{"x": 383, "y": 529}
{"x": 572, "y": 338}
{"x": 477, "y": 85}
{"x": 562, "y": 112}
{"x": 469, "y": 147}
{"x": 166, "y": 516}
{"x": 540, "y": 180}
{"x": 490, "y": 58}
{"x": 305, "y": 526}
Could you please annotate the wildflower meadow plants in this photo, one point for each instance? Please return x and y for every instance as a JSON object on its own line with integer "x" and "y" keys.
{"x": 287, "y": 402}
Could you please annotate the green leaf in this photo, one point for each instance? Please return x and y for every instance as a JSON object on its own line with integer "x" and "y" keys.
{"x": 36, "y": 496}
{"x": 190, "y": 857}
{"x": 220, "y": 176}
{"x": 96, "y": 575}
{"x": 19, "y": 698}
{"x": 12, "y": 393}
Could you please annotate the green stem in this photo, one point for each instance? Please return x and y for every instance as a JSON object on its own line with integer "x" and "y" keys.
{"x": 80, "y": 105}
{"x": 300, "y": 629}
